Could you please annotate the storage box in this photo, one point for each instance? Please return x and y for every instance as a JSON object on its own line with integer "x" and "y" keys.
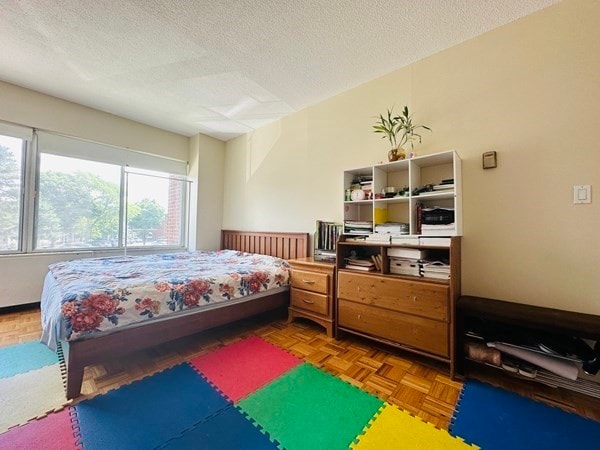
{"x": 404, "y": 267}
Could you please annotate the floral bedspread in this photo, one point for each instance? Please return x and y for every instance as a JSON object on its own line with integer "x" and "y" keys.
{"x": 100, "y": 294}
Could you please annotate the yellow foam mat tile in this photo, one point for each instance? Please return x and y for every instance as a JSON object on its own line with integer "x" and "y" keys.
{"x": 393, "y": 428}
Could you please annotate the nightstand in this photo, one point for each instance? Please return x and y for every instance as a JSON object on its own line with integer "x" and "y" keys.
{"x": 312, "y": 291}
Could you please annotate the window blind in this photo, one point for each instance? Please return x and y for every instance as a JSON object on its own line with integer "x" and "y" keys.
{"x": 60, "y": 145}
{"x": 16, "y": 131}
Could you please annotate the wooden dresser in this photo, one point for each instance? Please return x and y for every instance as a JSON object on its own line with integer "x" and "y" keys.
{"x": 409, "y": 312}
{"x": 415, "y": 313}
{"x": 312, "y": 292}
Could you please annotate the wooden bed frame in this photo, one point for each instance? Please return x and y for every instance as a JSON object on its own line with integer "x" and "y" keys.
{"x": 86, "y": 352}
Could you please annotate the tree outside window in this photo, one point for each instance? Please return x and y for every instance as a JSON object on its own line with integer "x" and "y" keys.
{"x": 10, "y": 192}
{"x": 79, "y": 206}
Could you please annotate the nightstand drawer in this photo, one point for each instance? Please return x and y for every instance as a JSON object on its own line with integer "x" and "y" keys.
{"x": 310, "y": 281}
{"x": 310, "y": 301}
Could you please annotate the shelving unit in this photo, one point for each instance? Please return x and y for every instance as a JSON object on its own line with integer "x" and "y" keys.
{"x": 411, "y": 173}
{"x": 357, "y": 210}
{"x": 410, "y": 312}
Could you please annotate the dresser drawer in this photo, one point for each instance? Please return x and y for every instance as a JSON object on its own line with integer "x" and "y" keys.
{"x": 417, "y": 332}
{"x": 310, "y": 281}
{"x": 414, "y": 297}
{"x": 310, "y": 301}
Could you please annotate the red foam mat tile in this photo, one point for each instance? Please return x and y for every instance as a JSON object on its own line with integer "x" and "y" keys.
{"x": 56, "y": 431}
{"x": 241, "y": 368}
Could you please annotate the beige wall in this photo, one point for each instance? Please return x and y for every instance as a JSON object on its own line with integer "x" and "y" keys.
{"x": 21, "y": 276}
{"x": 529, "y": 90}
{"x": 33, "y": 109}
{"x": 207, "y": 156}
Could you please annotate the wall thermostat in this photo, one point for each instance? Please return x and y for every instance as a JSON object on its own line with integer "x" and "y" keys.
{"x": 489, "y": 160}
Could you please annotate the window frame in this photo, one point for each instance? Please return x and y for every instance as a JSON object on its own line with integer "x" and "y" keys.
{"x": 34, "y": 237}
{"x": 21, "y": 235}
{"x": 29, "y": 205}
{"x": 184, "y": 206}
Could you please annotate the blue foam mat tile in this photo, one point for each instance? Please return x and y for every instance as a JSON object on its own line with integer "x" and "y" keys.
{"x": 227, "y": 430}
{"x": 493, "y": 418}
{"x": 24, "y": 357}
{"x": 148, "y": 412}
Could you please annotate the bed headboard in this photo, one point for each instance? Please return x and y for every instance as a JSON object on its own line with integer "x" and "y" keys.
{"x": 282, "y": 245}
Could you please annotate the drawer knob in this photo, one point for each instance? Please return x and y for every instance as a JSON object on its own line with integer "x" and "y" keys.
{"x": 310, "y": 302}
{"x": 309, "y": 281}
{"x": 414, "y": 298}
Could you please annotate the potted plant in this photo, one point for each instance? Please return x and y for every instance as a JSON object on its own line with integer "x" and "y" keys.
{"x": 399, "y": 130}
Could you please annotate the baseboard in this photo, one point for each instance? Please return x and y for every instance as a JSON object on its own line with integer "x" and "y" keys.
{"x": 17, "y": 308}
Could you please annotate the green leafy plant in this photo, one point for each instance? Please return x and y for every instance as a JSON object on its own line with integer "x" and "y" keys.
{"x": 389, "y": 127}
{"x": 399, "y": 130}
{"x": 408, "y": 128}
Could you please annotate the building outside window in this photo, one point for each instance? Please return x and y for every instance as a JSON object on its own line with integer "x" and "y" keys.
{"x": 155, "y": 205}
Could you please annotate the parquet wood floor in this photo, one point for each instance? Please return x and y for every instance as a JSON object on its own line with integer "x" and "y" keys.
{"x": 414, "y": 384}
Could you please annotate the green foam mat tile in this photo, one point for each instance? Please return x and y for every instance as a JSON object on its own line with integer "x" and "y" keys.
{"x": 310, "y": 409}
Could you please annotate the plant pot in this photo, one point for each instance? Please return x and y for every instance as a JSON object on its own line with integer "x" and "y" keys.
{"x": 396, "y": 153}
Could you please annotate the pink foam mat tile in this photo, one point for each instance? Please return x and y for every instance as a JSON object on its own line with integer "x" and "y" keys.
{"x": 56, "y": 431}
{"x": 243, "y": 367}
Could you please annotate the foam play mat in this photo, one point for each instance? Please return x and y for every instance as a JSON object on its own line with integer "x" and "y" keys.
{"x": 497, "y": 419}
{"x": 253, "y": 395}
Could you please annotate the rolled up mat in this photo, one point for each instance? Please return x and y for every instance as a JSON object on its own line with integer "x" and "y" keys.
{"x": 557, "y": 366}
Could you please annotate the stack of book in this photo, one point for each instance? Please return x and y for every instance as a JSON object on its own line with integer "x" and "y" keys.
{"x": 356, "y": 263}
{"x": 444, "y": 185}
{"x": 434, "y": 241}
{"x": 379, "y": 238}
{"x": 326, "y": 237}
{"x": 405, "y": 240}
{"x": 377, "y": 260}
{"x": 356, "y": 238}
{"x": 436, "y": 269}
{"x": 407, "y": 253}
{"x": 358, "y": 227}
{"x": 418, "y": 262}
{"x": 438, "y": 230}
{"x": 396, "y": 228}
{"x": 437, "y": 221}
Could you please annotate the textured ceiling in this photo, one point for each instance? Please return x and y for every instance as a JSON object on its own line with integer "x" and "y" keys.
{"x": 225, "y": 67}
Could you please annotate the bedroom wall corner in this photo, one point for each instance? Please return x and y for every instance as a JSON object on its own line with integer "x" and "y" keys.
{"x": 528, "y": 90}
{"x": 207, "y": 162}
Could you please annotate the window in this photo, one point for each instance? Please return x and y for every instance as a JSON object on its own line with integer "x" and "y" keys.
{"x": 12, "y": 151}
{"x": 155, "y": 203}
{"x": 78, "y": 203}
{"x": 59, "y": 193}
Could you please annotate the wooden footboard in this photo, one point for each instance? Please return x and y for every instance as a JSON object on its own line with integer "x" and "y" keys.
{"x": 86, "y": 352}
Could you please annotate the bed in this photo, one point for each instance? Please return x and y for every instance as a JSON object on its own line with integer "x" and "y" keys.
{"x": 109, "y": 307}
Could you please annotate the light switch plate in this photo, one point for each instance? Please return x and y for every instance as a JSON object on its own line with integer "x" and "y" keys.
{"x": 582, "y": 193}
